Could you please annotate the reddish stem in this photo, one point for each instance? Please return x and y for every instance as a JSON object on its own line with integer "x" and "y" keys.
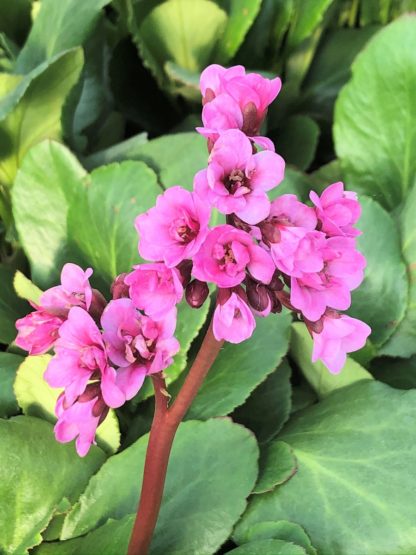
{"x": 165, "y": 423}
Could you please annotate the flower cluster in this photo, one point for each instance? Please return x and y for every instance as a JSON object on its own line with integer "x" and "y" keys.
{"x": 103, "y": 351}
{"x": 263, "y": 256}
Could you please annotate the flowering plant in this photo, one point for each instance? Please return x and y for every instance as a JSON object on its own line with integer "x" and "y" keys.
{"x": 268, "y": 255}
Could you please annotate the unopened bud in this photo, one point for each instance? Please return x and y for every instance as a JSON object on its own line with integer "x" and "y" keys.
{"x": 98, "y": 304}
{"x": 118, "y": 288}
{"x": 251, "y": 122}
{"x": 196, "y": 293}
{"x": 276, "y": 283}
{"x": 270, "y": 232}
{"x": 185, "y": 268}
{"x": 276, "y": 304}
{"x": 258, "y": 296}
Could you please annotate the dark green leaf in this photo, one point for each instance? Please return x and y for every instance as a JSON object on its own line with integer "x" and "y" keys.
{"x": 277, "y": 465}
{"x": 212, "y": 469}
{"x": 11, "y": 307}
{"x": 281, "y": 530}
{"x": 297, "y": 140}
{"x": 268, "y": 547}
{"x": 399, "y": 373}
{"x": 356, "y": 453}
{"x": 8, "y": 366}
{"x": 15, "y": 18}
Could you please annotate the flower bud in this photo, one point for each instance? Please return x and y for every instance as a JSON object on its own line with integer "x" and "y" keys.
{"x": 118, "y": 288}
{"x": 98, "y": 304}
{"x": 276, "y": 283}
{"x": 251, "y": 120}
{"x": 258, "y": 296}
{"x": 270, "y": 232}
{"x": 196, "y": 293}
{"x": 185, "y": 269}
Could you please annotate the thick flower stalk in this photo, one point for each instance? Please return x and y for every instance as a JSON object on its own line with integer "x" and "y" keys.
{"x": 264, "y": 256}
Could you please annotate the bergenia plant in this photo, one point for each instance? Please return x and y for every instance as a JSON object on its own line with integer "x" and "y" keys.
{"x": 264, "y": 257}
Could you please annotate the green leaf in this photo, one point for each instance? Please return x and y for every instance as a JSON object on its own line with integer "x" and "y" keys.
{"x": 8, "y": 366}
{"x": 385, "y": 274}
{"x": 11, "y": 307}
{"x": 403, "y": 342}
{"x": 398, "y": 373}
{"x": 101, "y": 217}
{"x": 35, "y": 474}
{"x": 268, "y": 407}
{"x": 26, "y": 289}
{"x": 31, "y": 111}
{"x": 375, "y": 115}
{"x": 277, "y": 465}
{"x": 356, "y": 455}
{"x": 175, "y": 158}
{"x": 189, "y": 322}
{"x": 241, "y": 15}
{"x": 237, "y": 370}
{"x": 49, "y": 179}
{"x": 268, "y": 547}
{"x": 281, "y": 530}
{"x": 295, "y": 183}
{"x": 15, "y": 18}
{"x": 212, "y": 469}
{"x": 58, "y": 26}
{"x": 307, "y": 16}
{"x": 37, "y": 398}
{"x": 181, "y": 31}
{"x": 297, "y": 140}
{"x": 317, "y": 374}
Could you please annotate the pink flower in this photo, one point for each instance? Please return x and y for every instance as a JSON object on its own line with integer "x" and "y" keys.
{"x": 154, "y": 288}
{"x": 38, "y": 331}
{"x": 236, "y": 181}
{"x": 251, "y": 95}
{"x": 233, "y": 319}
{"x": 175, "y": 228}
{"x": 226, "y": 255}
{"x": 340, "y": 335}
{"x": 342, "y": 271}
{"x": 138, "y": 345}
{"x": 80, "y": 419}
{"x": 337, "y": 210}
{"x": 80, "y": 354}
{"x": 75, "y": 290}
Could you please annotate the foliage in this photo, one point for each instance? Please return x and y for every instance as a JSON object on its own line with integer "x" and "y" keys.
{"x": 98, "y": 105}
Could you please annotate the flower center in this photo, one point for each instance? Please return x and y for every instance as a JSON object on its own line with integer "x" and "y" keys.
{"x": 138, "y": 348}
{"x": 184, "y": 230}
{"x": 237, "y": 181}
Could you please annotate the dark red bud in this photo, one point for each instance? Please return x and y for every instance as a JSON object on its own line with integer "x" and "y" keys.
{"x": 98, "y": 304}
{"x": 276, "y": 283}
{"x": 276, "y": 304}
{"x": 284, "y": 298}
{"x": 99, "y": 407}
{"x": 185, "y": 269}
{"x": 257, "y": 295}
{"x": 92, "y": 390}
{"x": 251, "y": 122}
{"x": 118, "y": 288}
{"x": 196, "y": 293}
{"x": 270, "y": 232}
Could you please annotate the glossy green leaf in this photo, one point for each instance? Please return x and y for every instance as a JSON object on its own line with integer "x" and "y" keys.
{"x": 277, "y": 465}
{"x": 26, "y": 289}
{"x": 375, "y": 115}
{"x": 385, "y": 273}
{"x": 398, "y": 373}
{"x": 15, "y": 18}
{"x": 268, "y": 547}
{"x": 32, "y": 491}
{"x": 49, "y": 179}
{"x": 101, "y": 217}
{"x": 181, "y": 31}
{"x": 212, "y": 469}
{"x": 308, "y": 14}
{"x": 31, "y": 111}
{"x": 281, "y": 530}
{"x": 241, "y": 15}
{"x": 9, "y": 364}
{"x": 403, "y": 342}
{"x": 237, "y": 370}
{"x": 175, "y": 158}
{"x": 11, "y": 307}
{"x": 317, "y": 374}
{"x": 268, "y": 407}
{"x": 58, "y": 26}
{"x": 356, "y": 454}
{"x": 297, "y": 140}
{"x": 37, "y": 398}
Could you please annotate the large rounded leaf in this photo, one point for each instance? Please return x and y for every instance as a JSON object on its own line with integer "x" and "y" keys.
{"x": 36, "y": 474}
{"x": 375, "y": 115}
{"x": 356, "y": 453}
{"x": 9, "y": 364}
{"x": 213, "y": 468}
